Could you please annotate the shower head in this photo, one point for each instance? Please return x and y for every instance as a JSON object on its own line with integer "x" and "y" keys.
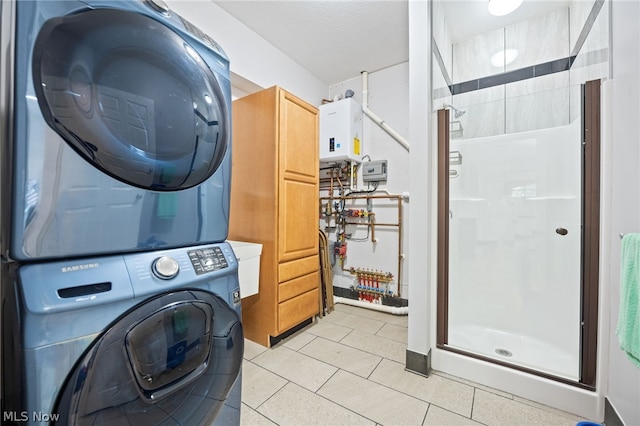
{"x": 457, "y": 113}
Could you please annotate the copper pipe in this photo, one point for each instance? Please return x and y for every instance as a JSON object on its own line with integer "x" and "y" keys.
{"x": 398, "y": 199}
{"x": 372, "y": 223}
{"x": 349, "y": 197}
{"x": 377, "y": 224}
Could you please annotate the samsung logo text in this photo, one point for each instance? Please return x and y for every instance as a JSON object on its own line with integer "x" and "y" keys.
{"x": 75, "y": 268}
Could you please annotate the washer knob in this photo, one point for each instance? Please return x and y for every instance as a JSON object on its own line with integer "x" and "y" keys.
{"x": 165, "y": 267}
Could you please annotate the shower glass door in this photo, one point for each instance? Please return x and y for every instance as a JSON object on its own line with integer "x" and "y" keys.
{"x": 515, "y": 238}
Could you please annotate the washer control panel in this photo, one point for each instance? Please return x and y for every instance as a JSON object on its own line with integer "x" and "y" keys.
{"x": 165, "y": 267}
{"x": 207, "y": 260}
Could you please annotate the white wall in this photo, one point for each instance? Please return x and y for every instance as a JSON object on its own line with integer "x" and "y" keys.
{"x": 624, "y": 377}
{"x": 252, "y": 58}
{"x": 389, "y": 99}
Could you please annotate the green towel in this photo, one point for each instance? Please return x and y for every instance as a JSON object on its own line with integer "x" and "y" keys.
{"x": 628, "y": 329}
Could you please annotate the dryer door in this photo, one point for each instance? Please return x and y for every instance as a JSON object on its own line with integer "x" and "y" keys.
{"x": 170, "y": 360}
{"x": 132, "y": 97}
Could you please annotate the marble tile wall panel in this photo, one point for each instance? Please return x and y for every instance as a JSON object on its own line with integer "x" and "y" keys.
{"x": 534, "y": 103}
{"x": 539, "y": 40}
{"x": 447, "y": 49}
{"x": 471, "y": 56}
{"x": 539, "y": 84}
{"x": 484, "y": 114}
{"x": 538, "y": 103}
{"x": 438, "y": 27}
{"x": 442, "y": 35}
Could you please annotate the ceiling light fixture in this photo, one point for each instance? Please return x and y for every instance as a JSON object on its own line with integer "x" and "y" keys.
{"x": 503, "y": 57}
{"x": 503, "y": 7}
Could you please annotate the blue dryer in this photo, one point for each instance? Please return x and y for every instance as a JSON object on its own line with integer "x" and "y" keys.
{"x": 115, "y": 130}
{"x": 139, "y": 339}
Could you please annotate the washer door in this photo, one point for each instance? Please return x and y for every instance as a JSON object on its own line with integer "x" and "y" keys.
{"x": 170, "y": 360}
{"x": 132, "y": 97}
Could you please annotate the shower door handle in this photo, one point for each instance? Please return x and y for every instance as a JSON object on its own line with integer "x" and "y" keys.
{"x": 562, "y": 231}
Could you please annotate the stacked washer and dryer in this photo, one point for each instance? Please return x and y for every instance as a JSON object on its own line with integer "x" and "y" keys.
{"x": 120, "y": 296}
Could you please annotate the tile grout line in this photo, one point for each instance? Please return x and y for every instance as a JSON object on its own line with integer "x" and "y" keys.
{"x": 378, "y": 364}
{"x": 340, "y": 341}
{"x": 472, "y": 384}
{"x": 374, "y": 369}
{"x": 510, "y": 396}
{"x": 266, "y": 400}
{"x": 424, "y": 419}
{"x": 473, "y": 403}
{"x": 290, "y": 381}
{"x": 335, "y": 402}
{"x": 381, "y": 337}
{"x": 382, "y": 358}
{"x": 339, "y": 367}
{"x": 377, "y": 383}
{"x": 303, "y": 346}
{"x": 400, "y": 391}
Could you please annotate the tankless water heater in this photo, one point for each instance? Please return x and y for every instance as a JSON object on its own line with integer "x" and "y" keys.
{"x": 341, "y": 131}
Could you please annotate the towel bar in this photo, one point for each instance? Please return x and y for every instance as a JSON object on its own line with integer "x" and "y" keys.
{"x": 622, "y": 234}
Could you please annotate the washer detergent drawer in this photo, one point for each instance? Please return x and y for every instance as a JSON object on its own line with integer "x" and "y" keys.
{"x": 170, "y": 348}
{"x": 172, "y": 358}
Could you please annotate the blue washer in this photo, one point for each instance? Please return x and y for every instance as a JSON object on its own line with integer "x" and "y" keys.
{"x": 145, "y": 338}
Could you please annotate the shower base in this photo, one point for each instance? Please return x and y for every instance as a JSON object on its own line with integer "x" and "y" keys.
{"x": 515, "y": 349}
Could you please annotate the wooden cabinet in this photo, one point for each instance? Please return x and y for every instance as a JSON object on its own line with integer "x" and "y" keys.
{"x": 274, "y": 202}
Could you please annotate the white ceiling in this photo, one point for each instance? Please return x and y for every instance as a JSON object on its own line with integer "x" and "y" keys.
{"x": 466, "y": 18}
{"x": 337, "y": 39}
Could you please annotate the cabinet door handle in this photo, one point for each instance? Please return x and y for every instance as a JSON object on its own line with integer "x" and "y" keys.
{"x": 562, "y": 231}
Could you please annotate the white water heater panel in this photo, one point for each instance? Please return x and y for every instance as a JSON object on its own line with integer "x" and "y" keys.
{"x": 341, "y": 131}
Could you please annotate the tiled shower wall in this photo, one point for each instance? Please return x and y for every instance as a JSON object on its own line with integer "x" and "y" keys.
{"x": 529, "y": 103}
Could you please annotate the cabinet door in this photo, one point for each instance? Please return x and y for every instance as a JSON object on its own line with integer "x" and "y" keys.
{"x": 298, "y": 177}
{"x": 298, "y": 139}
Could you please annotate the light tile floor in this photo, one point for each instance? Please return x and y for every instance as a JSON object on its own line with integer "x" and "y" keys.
{"x": 348, "y": 369}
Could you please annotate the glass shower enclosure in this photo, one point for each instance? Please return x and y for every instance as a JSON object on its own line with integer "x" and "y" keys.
{"x": 512, "y": 245}
{"x": 518, "y": 135}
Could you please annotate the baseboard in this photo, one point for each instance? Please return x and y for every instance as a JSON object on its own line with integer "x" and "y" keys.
{"x": 418, "y": 363}
{"x": 273, "y": 340}
{"x": 611, "y": 417}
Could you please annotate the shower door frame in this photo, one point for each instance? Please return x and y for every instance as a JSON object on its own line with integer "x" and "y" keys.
{"x": 590, "y": 247}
